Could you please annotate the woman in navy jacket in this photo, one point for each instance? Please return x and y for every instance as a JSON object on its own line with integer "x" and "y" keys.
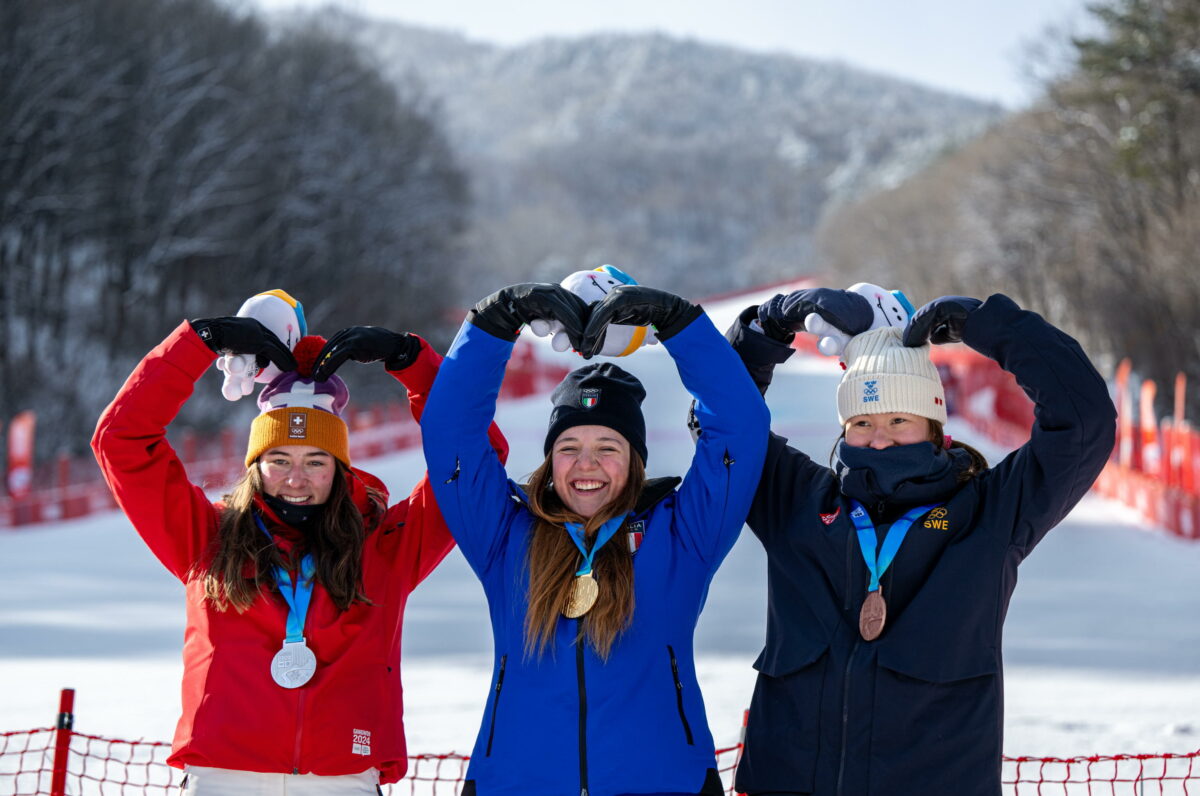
{"x": 594, "y": 688}
{"x": 882, "y": 668}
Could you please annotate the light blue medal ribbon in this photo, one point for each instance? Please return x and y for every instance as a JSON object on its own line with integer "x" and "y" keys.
{"x": 606, "y": 532}
{"x": 878, "y": 564}
{"x": 297, "y": 596}
{"x": 294, "y": 664}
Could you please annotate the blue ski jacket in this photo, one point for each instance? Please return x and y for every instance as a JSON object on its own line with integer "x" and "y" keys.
{"x": 919, "y": 710}
{"x": 568, "y": 722}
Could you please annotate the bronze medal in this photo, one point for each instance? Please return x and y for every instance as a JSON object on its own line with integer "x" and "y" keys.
{"x": 584, "y": 592}
{"x": 873, "y": 615}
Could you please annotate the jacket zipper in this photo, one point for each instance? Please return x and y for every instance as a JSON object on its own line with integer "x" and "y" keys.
{"x": 496, "y": 703}
{"x": 851, "y": 585}
{"x": 851, "y": 546}
{"x": 583, "y": 771}
{"x": 687, "y": 730}
{"x": 845, "y": 715}
{"x": 299, "y": 731}
{"x": 728, "y": 461}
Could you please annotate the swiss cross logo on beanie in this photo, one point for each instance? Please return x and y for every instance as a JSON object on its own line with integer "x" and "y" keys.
{"x": 297, "y": 425}
{"x": 589, "y": 398}
{"x": 295, "y": 409}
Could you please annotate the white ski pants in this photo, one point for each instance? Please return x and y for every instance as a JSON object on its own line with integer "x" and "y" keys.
{"x": 225, "y": 782}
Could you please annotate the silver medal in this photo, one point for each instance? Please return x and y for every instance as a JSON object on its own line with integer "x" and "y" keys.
{"x": 294, "y": 665}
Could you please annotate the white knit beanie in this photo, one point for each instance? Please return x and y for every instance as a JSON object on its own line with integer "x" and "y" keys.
{"x": 884, "y": 375}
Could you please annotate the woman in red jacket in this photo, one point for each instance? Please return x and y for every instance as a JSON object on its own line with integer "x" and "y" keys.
{"x": 296, "y": 582}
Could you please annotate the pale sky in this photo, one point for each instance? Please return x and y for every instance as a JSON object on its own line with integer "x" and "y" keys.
{"x": 972, "y": 47}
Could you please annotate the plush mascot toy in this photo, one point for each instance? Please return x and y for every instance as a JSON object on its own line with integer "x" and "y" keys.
{"x": 280, "y": 313}
{"x": 592, "y": 286}
{"x": 892, "y": 308}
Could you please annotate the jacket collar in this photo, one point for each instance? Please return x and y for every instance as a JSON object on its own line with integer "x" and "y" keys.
{"x": 653, "y": 492}
{"x": 900, "y": 476}
{"x": 357, "y": 482}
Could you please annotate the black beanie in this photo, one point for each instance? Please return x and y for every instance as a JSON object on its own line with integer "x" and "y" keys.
{"x": 599, "y": 395}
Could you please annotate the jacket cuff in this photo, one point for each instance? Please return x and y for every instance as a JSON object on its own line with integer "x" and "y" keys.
{"x": 988, "y": 327}
{"x": 419, "y": 375}
{"x": 759, "y": 353}
{"x": 186, "y": 350}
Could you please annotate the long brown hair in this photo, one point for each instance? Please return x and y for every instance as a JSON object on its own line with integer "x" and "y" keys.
{"x": 243, "y": 560}
{"x": 553, "y": 560}
{"x": 937, "y": 435}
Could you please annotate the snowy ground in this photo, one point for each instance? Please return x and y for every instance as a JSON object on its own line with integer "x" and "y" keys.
{"x": 1102, "y": 642}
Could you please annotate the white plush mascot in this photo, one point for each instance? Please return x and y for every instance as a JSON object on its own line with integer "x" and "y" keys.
{"x": 592, "y": 286}
{"x": 892, "y": 308}
{"x": 280, "y": 313}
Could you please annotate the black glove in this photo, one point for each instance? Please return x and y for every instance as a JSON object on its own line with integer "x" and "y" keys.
{"x": 940, "y": 321}
{"x": 503, "y": 313}
{"x": 782, "y": 316}
{"x": 637, "y": 305}
{"x": 366, "y": 344}
{"x": 233, "y": 335}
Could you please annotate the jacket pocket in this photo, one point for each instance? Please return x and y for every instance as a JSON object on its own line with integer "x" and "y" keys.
{"x": 948, "y": 702}
{"x": 945, "y": 664}
{"x": 496, "y": 704}
{"x": 687, "y": 728}
{"x": 782, "y": 741}
{"x": 780, "y": 660}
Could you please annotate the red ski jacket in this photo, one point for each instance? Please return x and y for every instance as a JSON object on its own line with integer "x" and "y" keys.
{"x": 349, "y": 717}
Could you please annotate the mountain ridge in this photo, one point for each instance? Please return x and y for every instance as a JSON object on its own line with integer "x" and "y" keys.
{"x": 733, "y": 156}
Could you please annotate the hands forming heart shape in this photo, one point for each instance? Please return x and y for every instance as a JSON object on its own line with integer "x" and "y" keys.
{"x": 505, "y": 311}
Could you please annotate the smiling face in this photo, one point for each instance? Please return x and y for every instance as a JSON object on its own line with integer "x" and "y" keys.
{"x": 590, "y": 466}
{"x": 886, "y": 429}
{"x": 299, "y": 474}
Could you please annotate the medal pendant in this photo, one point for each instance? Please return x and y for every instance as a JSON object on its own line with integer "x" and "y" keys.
{"x": 873, "y": 615}
{"x": 294, "y": 665}
{"x": 584, "y": 592}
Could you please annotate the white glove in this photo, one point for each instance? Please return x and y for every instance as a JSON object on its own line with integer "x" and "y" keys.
{"x": 284, "y": 316}
{"x": 239, "y": 370}
{"x": 892, "y": 308}
{"x": 832, "y": 340}
{"x": 553, "y": 330}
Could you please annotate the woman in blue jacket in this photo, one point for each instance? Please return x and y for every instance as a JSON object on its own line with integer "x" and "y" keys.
{"x": 889, "y": 576}
{"x": 595, "y": 576}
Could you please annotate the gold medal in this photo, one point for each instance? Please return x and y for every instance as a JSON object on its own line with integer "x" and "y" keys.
{"x": 873, "y": 615}
{"x": 584, "y": 592}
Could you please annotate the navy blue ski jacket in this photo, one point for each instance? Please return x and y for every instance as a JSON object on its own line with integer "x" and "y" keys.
{"x": 920, "y": 709}
{"x": 569, "y": 722}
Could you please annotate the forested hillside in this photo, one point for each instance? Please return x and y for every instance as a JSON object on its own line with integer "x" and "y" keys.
{"x": 162, "y": 159}
{"x": 1086, "y": 207}
{"x": 693, "y": 165}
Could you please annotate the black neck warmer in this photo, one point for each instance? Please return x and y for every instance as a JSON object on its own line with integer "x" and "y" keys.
{"x": 899, "y": 477}
{"x": 302, "y": 518}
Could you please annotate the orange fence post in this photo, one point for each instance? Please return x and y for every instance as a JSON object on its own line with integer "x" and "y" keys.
{"x": 62, "y": 741}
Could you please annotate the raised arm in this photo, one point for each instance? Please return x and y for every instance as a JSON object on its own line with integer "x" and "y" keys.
{"x": 715, "y": 495}
{"x": 414, "y": 363}
{"x": 1074, "y": 418}
{"x": 145, "y": 475}
{"x": 466, "y": 474}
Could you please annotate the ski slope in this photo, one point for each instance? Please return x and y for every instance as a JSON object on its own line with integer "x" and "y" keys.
{"x": 1102, "y": 643}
